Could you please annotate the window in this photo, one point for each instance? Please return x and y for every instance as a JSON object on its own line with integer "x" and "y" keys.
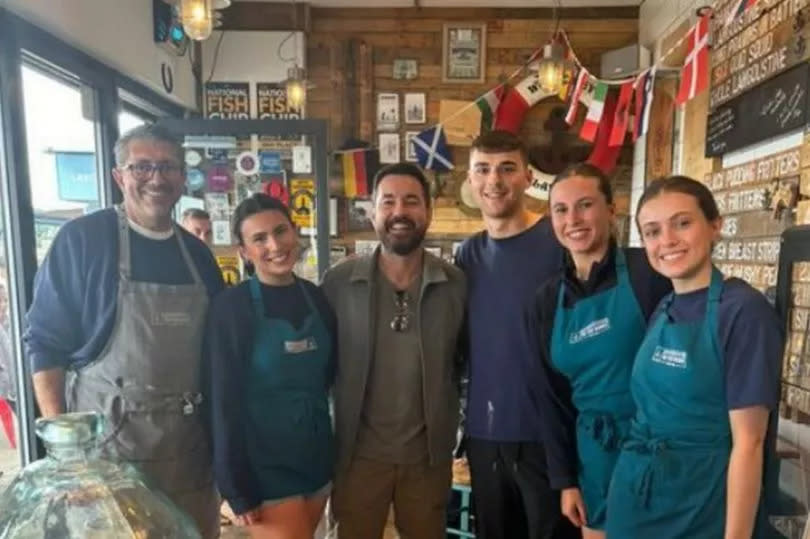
{"x": 62, "y": 155}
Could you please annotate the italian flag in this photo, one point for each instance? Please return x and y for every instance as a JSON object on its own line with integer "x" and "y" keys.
{"x": 597, "y": 106}
{"x": 488, "y": 105}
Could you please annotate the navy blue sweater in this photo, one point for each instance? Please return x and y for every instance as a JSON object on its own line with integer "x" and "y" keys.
{"x": 502, "y": 276}
{"x": 76, "y": 287}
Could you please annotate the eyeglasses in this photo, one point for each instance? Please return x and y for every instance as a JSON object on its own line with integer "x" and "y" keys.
{"x": 144, "y": 170}
{"x": 400, "y": 323}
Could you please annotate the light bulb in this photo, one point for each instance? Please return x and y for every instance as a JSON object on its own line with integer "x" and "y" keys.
{"x": 295, "y": 93}
{"x": 198, "y": 18}
{"x": 550, "y": 71}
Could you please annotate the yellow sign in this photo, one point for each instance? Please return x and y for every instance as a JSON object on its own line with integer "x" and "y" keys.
{"x": 302, "y": 202}
{"x": 229, "y": 266}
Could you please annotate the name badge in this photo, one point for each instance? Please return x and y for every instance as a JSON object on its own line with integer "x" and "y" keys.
{"x": 299, "y": 347}
{"x": 670, "y": 357}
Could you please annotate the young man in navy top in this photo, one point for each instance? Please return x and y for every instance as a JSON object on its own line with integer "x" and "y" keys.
{"x": 505, "y": 264}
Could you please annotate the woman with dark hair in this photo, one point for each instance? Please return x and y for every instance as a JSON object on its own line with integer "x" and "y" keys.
{"x": 705, "y": 384}
{"x": 270, "y": 348}
{"x": 590, "y": 318}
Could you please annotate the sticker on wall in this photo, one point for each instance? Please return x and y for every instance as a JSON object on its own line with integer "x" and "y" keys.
{"x": 270, "y": 162}
{"x": 247, "y": 163}
{"x": 193, "y": 158}
{"x": 217, "y": 155}
{"x": 302, "y": 195}
{"x": 302, "y": 159}
{"x": 229, "y": 266}
{"x": 276, "y": 187}
{"x": 221, "y": 232}
{"x": 219, "y": 179}
{"x": 195, "y": 179}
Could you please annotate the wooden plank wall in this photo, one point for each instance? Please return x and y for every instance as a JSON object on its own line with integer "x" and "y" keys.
{"x": 340, "y": 38}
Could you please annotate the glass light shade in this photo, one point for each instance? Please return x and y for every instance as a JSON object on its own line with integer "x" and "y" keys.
{"x": 74, "y": 494}
{"x": 197, "y": 17}
{"x": 296, "y": 87}
{"x": 550, "y": 71}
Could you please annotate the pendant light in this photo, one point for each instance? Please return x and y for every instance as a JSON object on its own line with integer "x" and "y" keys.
{"x": 551, "y": 68}
{"x": 197, "y": 17}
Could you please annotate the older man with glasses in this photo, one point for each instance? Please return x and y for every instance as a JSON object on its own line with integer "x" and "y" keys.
{"x": 399, "y": 313}
{"x": 116, "y": 325}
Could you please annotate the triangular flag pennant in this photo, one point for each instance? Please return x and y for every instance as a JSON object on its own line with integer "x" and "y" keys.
{"x": 516, "y": 102}
{"x": 579, "y": 87}
{"x": 359, "y": 167}
{"x": 432, "y": 151}
{"x": 588, "y": 131}
{"x": 643, "y": 87}
{"x": 622, "y": 115}
{"x": 738, "y": 9}
{"x": 604, "y": 156}
{"x": 488, "y": 105}
{"x": 695, "y": 72}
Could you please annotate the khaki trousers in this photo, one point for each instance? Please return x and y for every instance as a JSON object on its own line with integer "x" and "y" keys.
{"x": 419, "y": 492}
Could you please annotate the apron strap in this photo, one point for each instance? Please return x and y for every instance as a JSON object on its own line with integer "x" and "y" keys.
{"x": 256, "y": 297}
{"x": 192, "y": 267}
{"x": 124, "y": 263}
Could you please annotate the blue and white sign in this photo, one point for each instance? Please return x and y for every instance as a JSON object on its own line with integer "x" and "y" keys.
{"x": 76, "y": 178}
{"x": 270, "y": 162}
{"x": 195, "y": 179}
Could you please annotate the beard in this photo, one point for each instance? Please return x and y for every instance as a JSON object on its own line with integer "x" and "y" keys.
{"x": 402, "y": 245}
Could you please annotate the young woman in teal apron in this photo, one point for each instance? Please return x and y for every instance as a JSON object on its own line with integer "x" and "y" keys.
{"x": 270, "y": 348}
{"x": 591, "y": 319}
{"x": 705, "y": 383}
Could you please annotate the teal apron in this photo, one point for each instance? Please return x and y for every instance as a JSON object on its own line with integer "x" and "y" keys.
{"x": 670, "y": 480}
{"x": 593, "y": 344}
{"x": 288, "y": 427}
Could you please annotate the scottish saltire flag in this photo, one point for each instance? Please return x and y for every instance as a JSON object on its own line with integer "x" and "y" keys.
{"x": 432, "y": 151}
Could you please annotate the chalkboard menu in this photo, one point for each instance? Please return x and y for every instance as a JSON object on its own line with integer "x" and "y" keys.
{"x": 772, "y": 108}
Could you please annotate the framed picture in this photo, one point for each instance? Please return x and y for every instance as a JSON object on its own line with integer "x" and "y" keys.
{"x": 360, "y": 215}
{"x": 415, "y": 108}
{"x": 387, "y": 111}
{"x": 405, "y": 69}
{"x": 410, "y": 149}
{"x": 464, "y": 47}
{"x": 389, "y": 148}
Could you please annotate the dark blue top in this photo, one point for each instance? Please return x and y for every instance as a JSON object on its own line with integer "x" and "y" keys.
{"x": 76, "y": 287}
{"x": 227, "y": 352}
{"x": 750, "y": 337}
{"x": 502, "y": 276}
{"x": 552, "y": 388}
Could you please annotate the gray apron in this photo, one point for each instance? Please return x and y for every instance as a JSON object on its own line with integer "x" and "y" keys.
{"x": 146, "y": 382}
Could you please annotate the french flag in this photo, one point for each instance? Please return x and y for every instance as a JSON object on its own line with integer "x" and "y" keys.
{"x": 738, "y": 9}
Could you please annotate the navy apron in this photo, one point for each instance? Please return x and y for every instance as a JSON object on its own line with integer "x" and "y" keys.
{"x": 670, "y": 480}
{"x": 288, "y": 427}
{"x": 594, "y": 344}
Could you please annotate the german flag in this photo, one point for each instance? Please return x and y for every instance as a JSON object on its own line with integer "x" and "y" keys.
{"x": 359, "y": 167}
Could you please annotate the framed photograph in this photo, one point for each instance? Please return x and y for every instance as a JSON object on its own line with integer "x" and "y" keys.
{"x": 410, "y": 149}
{"x": 360, "y": 215}
{"x": 415, "y": 108}
{"x": 389, "y": 148}
{"x": 387, "y": 111}
{"x": 464, "y": 47}
{"x": 405, "y": 68}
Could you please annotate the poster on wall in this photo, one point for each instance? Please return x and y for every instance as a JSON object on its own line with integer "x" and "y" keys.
{"x": 272, "y": 104}
{"x": 387, "y": 111}
{"x": 227, "y": 100}
{"x": 302, "y": 202}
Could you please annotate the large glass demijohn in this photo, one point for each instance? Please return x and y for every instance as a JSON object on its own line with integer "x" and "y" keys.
{"x": 74, "y": 494}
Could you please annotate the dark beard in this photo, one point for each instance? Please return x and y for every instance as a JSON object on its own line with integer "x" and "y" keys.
{"x": 404, "y": 246}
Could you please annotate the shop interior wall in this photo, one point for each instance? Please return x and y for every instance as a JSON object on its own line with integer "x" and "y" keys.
{"x": 372, "y": 38}
{"x": 750, "y": 244}
{"x": 118, "y": 33}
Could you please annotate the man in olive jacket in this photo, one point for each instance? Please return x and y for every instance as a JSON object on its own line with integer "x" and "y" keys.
{"x": 396, "y": 402}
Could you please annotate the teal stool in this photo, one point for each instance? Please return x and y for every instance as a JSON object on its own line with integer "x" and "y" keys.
{"x": 463, "y": 529}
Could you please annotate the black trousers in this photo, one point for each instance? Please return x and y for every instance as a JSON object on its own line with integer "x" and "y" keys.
{"x": 512, "y": 497}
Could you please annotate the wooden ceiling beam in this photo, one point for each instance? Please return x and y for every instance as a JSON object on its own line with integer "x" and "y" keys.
{"x": 266, "y": 16}
{"x": 450, "y": 14}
